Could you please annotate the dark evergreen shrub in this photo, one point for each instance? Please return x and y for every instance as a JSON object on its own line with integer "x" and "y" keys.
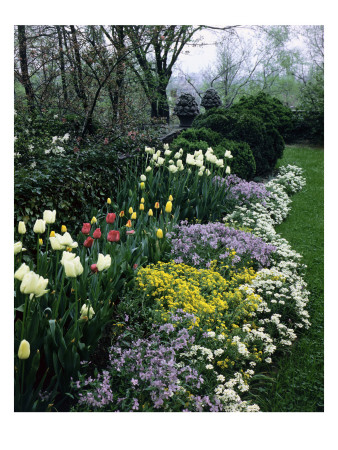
{"x": 243, "y": 162}
{"x": 265, "y": 141}
{"x": 269, "y": 109}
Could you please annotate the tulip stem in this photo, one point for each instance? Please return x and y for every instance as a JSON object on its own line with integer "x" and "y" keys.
{"x": 37, "y": 253}
{"x": 61, "y": 289}
{"x": 47, "y": 238}
{"x": 76, "y": 308}
{"x": 24, "y": 316}
{"x": 22, "y": 380}
{"x": 56, "y": 267}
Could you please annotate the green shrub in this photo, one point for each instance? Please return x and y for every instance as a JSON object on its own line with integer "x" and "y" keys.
{"x": 265, "y": 141}
{"x": 69, "y": 184}
{"x": 269, "y": 109}
{"x": 188, "y": 146}
{"x": 243, "y": 162}
{"x": 202, "y": 134}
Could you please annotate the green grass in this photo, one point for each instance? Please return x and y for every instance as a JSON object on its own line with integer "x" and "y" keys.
{"x": 296, "y": 382}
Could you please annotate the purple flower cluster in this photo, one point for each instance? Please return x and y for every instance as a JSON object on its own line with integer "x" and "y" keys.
{"x": 244, "y": 192}
{"x": 197, "y": 244}
{"x": 146, "y": 366}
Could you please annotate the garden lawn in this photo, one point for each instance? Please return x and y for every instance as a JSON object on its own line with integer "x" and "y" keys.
{"x": 297, "y": 380}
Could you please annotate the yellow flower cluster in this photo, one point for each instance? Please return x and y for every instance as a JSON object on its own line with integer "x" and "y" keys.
{"x": 203, "y": 292}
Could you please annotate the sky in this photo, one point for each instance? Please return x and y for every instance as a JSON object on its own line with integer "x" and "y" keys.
{"x": 198, "y": 58}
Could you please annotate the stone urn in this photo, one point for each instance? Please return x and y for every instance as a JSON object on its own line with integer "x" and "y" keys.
{"x": 211, "y": 99}
{"x": 186, "y": 110}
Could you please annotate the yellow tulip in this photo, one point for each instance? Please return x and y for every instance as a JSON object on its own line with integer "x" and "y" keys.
{"x": 63, "y": 228}
{"x": 168, "y": 207}
{"x": 40, "y": 241}
{"x": 94, "y": 220}
{"x": 171, "y": 198}
{"x": 133, "y": 216}
{"x": 121, "y": 214}
{"x": 159, "y": 233}
{"x": 130, "y": 210}
{"x": 142, "y": 185}
{"x": 142, "y": 200}
{"x": 109, "y": 200}
{"x": 150, "y": 212}
{"x": 24, "y": 350}
{"x": 52, "y": 234}
{"x": 157, "y": 205}
{"x": 141, "y": 207}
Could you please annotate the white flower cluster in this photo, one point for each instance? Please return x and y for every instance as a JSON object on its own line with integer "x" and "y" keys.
{"x": 291, "y": 178}
{"x": 281, "y": 287}
{"x": 57, "y": 149}
{"x": 198, "y": 159}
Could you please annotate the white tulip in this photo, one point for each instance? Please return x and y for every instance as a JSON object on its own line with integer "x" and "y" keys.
{"x": 21, "y": 272}
{"x": 39, "y": 226}
{"x": 49, "y": 216}
{"x": 103, "y": 262}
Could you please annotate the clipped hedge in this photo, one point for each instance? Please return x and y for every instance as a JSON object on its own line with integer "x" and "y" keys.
{"x": 265, "y": 141}
{"x": 270, "y": 110}
{"x": 243, "y": 162}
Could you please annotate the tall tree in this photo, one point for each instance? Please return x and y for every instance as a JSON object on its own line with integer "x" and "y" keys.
{"x": 62, "y": 64}
{"x": 24, "y": 78}
{"x": 160, "y": 47}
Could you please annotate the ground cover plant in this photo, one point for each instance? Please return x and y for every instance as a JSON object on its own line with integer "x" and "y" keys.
{"x": 186, "y": 268}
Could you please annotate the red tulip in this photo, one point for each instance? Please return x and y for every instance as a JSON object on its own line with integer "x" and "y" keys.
{"x": 86, "y": 228}
{"x": 94, "y": 268}
{"x": 110, "y": 217}
{"x": 88, "y": 242}
{"x": 113, "y": 236}
{"x": 130, "y": 232}
{"x": 135, "y": 266}
{"x": 97, "y": 233}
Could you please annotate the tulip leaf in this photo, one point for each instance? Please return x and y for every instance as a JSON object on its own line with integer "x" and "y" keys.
{"x": 20, "y": 308}
{"x": 52, "y": 329}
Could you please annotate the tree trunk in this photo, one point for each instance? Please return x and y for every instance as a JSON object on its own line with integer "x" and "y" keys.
{"x": 159, "y": 104}
{"x": 25, "y": 80}
{"x": 62, "y": 65}
{"x": 81, "y": 89}
{"x": 119, "y": 94}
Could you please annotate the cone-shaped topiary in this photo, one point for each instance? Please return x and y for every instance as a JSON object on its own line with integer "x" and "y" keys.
{"x": 186, "y": 109}
{"x": 211, "y": 99}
